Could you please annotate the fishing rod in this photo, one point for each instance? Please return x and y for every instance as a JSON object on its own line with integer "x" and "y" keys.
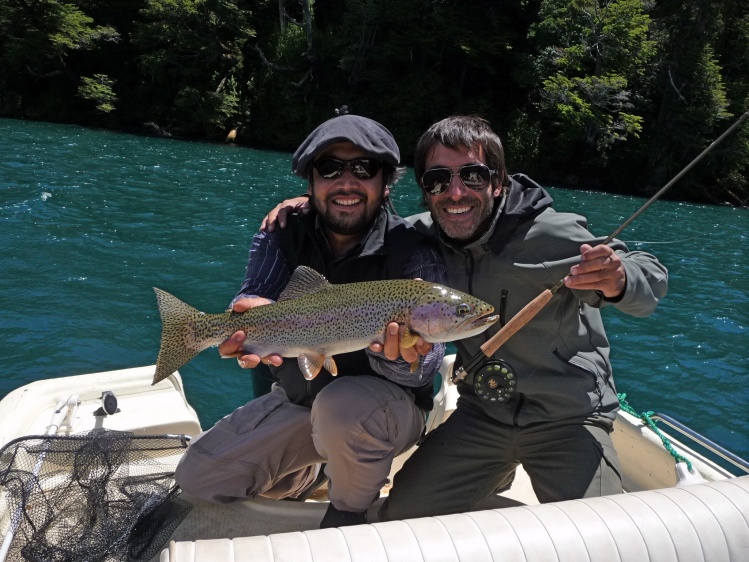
{"x": 495, "y": 378}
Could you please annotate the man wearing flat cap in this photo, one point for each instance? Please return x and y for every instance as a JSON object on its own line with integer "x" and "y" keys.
{"x": 348, "y": 428}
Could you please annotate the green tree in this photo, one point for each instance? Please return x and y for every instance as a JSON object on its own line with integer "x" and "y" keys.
{"x": 695, "y": 106}
{"x": 99, "y": 90}
{"x": 732, "y": 47}
{"x": 418, "y": 61}
{"x": 405, "y": 62}
{"x": 291, "y": 80}
{"x": 592, "y": 57}
{"x": 38, "y": 42}
{"x": 192, "y": 55}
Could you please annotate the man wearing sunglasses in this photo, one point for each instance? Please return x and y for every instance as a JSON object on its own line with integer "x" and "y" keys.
{"x": 502, "y": 241}
{"x": 348, "y": 428}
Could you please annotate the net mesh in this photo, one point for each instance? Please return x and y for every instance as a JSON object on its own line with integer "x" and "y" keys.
{"x": 99, "y": 496}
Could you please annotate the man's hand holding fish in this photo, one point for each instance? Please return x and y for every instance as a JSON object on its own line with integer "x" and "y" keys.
{"x": 392, "y": 347}
{"x": 233, "y": 346}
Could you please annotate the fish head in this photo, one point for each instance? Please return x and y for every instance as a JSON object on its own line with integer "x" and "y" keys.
{"x": 442, "y": 314}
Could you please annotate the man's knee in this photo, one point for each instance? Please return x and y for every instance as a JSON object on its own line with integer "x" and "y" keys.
{"x": 342, "y": 407}
{"x": 218, "y": 466}
{"x": 353, "y": 407}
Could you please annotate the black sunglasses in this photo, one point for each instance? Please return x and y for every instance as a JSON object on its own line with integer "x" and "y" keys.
{"x": 361, "y": 168}
{"x": 473, "y": 176}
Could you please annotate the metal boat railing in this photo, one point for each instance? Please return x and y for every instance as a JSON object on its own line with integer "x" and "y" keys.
{"x": 703, "y": 441}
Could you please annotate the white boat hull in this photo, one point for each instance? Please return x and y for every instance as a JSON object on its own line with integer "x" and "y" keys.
{"x": 704, "y": 522}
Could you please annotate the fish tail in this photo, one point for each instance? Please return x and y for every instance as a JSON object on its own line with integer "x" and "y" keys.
{"x": 180, "y": 338}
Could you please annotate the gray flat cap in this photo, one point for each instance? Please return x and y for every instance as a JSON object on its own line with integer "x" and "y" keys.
{"x": 369, "y": 135}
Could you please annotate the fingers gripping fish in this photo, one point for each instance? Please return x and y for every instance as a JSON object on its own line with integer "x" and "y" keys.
{"x": 314, "y": 320}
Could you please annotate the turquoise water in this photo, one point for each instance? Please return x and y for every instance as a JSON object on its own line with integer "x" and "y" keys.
{"x": 91, "y": 220}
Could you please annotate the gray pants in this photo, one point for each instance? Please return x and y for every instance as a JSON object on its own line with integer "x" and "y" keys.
{"x": 470, "y": 456}
{"x": 273, "y": 448}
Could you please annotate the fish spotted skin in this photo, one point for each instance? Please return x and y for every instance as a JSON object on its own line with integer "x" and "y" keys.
{"x": 314, "y": 320}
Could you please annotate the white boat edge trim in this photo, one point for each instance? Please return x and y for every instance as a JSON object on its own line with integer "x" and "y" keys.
{"x": 700, "y": 522}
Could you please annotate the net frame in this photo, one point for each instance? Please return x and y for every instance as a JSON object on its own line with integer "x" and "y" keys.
{"x": 102, "y": 495}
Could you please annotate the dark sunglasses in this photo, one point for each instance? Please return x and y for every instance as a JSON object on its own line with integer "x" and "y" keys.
{"x": 361, "y": 168}
{"x": 473, "y": 176}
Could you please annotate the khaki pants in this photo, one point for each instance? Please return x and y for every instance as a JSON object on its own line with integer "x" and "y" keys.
{"x": 470, "y": 456}
{"x": 273, "y": 448}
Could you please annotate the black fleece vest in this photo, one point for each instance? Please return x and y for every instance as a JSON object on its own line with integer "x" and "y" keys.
{"x": 389, "y": 246}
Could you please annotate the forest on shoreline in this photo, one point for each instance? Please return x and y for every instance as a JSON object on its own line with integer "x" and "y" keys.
{"x": 616, "y": 95}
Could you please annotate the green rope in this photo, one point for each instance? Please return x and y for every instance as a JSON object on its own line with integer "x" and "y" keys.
{"x": 645, "y": 417}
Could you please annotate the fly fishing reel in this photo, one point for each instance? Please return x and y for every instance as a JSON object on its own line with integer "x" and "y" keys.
{"x": 495, "y": 381}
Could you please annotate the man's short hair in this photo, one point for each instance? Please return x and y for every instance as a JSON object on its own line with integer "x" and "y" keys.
{"x": 469, "y": 131}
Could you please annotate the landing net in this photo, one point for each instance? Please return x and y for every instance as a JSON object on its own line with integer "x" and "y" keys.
{"x": 99, "y": 496}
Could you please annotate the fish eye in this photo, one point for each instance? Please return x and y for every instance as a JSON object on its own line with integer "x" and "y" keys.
{"x": 463, "y": 309}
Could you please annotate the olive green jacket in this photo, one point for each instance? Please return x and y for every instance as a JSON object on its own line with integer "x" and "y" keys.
{"x": 561, "y": 357}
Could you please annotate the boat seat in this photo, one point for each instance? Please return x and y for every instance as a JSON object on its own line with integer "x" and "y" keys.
{"x": 702, "y": 522}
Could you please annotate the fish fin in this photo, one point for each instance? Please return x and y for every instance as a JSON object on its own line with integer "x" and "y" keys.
{"x": 409, "y": 338}
{"x": 303, "y": 281}
{"x": 179, "y": 338}
{"x": 310, "y": 365}
{"x": 330, "y": 366}
{"x": 416, "y": 364}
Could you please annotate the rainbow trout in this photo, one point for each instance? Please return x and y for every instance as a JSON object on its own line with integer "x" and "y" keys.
{"x": 314, "y": 320}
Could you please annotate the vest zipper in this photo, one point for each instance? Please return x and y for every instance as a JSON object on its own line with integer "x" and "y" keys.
{"x": 469, "y": 264}
{"x": 503, "y": 307}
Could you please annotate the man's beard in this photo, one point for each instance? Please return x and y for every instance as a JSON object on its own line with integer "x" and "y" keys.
{"x": 479, "y": 226}
{"x": 346, "y": 225}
